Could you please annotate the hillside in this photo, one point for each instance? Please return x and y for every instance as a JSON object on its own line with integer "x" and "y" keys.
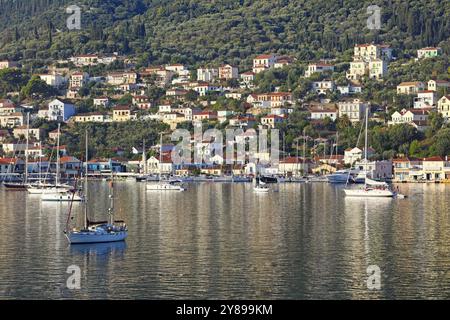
{"x": 197, "y": 32}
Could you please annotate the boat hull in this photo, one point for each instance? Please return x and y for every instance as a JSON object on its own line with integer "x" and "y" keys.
{"x": 61, "y": 197}
{"x": 163, "y": 187}
{"x": 92, "y": 237}
{"x": 373, "y": 193}
{"x": 15, "y": 186}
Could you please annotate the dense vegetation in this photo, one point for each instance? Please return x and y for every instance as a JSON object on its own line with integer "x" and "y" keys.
{"x": 198, "y": 32}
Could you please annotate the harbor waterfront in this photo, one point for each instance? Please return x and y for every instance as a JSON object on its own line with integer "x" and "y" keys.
{"x": 224, "y": 241}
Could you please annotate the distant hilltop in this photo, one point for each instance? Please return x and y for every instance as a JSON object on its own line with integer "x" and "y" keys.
{"x": 198, "y": 32}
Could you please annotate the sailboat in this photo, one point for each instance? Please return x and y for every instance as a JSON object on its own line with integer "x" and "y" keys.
{"x": 371, "y": 187}
{"x": 259, "y": 186}
{"x": 46, "y": 188}
{"x": 101, "y": 231}
{"x": 163, "y": 185}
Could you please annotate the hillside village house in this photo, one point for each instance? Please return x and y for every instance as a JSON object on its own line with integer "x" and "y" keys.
{"x": 350, "y": 88}
{"x": 85, "y": 60}
{"x": 294, "y": 166}
{"x": 354, "y": 109}
{"x": 227, "y": 72}
{"x": 435, "y": 85}
{"x": 318, "y": 68}
{"x": 233, "y": 95}
{"x": 90, "y": 117}
{"x": 272, "y": 120}
{"x": 122, "y": 113}
{"x": 101, "y": 102}
{"x": 282, "y": 61}
{"x": 419, "y": 117}
{"x": 324, "y": 86}
{"x": 378, "y": 69}
{"x": 142, "y": 102}
{"x": 21, "y": 131}
{"x": 378, "y": 170}
{"x": 436, "y": 169}
{"x": 58, "y": 110}
{"x": 410, "y": 87}
{"x": 176, "y": 68}
{"x": 320, "y": 112}
{"x": 355, "y": 154}
{"x": 429, "y": 52}
{"x": 7, "y": 64}
{"x": 444, "y": 107}
{"x": 263, "y": 62}
{"x": 161, "y": 76}
{"x": 54, "y": 80}
{"x": 204, "y": 115}
{"x": 203, "y": 88}
{"x": 119, "y": 78}
{"x": 407, "y": 169}
{"x": 12, "y": 120}
{"x": 270, "y": 100}
{"x": 247, "y": 78}
{"x": 78, "y": 79}
{"x": 9, "y": 165}
{"x": 154, "y": 166}
{"x": 425, "y": 99}
{"x": 368, "y": 52}
{"x": 242, "y": 121}
{"x": 172, "y": 119}
{"x": 207, "y": 75}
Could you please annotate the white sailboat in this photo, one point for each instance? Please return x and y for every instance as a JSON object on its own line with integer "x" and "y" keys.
{"x": 54, "y": 191}
{"x": 163, "y": 185}
{"x": 371, "y": 187}
{"x": 101, "y": 231}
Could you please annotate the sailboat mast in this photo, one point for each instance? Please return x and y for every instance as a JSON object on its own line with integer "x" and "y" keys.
{"x": 365, "y": 145}
{"x": 111, "y": 198}
{"x": 26, "y": 148}
{"x": 160, "y": 156}
{"x": 57, "y": 156}
{"x": 304, "y": 151}
{"x": 144, "y": 158}
{"x": 86, "y": 186}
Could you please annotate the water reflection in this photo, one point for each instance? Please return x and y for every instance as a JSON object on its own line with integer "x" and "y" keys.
{"x": 225, "y": 241}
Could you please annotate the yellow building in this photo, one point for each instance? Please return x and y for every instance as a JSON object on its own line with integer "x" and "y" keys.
{"x": 444, "y": 106}
{"x": 122, "y": 113}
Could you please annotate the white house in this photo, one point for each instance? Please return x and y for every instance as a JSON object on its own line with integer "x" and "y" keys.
{"x": 409, "y": 116}
{"x": 54, "y": 80}
{"x": 429, "y": 52}
{"x": 318, "y": 68}
{"x": 352, "y": 155}
{"x": 263, "y": 62}
{"x": 349, "y": 89}
{"x": 324, "y": 86}
{"x": 228, "y": 72}
{"x": 434, "y": 85}
{"x": 60, "y": 111}
{"x": 354, "y": 109}
{"x": 425, "y": 99}
{"x": 207, "y": 75}
{"x": 410, "y": 87}
{"x": 444, "y": 107}
{"x": 319, "y": 112}
{"x": 376, "y": 169}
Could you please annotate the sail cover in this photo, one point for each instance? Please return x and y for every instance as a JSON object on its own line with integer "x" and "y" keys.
{"x": 375, "y": 183}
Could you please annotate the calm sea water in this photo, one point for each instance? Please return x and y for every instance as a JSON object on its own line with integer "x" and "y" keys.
{"x": 224, "y": 241}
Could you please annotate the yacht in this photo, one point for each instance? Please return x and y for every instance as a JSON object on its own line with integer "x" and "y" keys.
{"x": 371, "y": 187}
{"x": 101, "y": 231}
